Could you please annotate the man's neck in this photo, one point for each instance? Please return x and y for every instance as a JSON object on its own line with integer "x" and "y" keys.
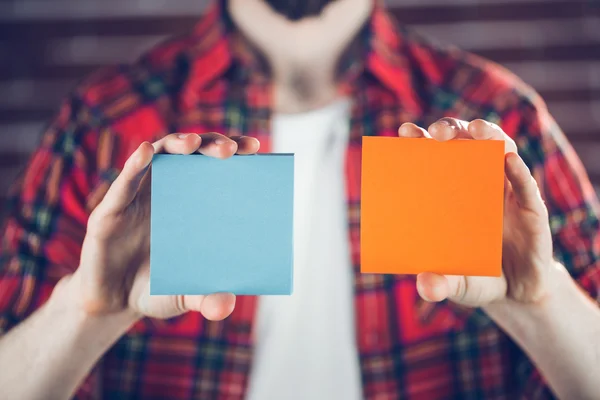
{"x": 298, "y": 88}
{"x": 302, "y": 55}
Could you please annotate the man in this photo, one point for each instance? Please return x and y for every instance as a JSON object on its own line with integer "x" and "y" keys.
{"x": 310, "y": 77}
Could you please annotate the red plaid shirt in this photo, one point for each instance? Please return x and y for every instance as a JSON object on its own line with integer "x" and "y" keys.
{"x": 205, "y": 81}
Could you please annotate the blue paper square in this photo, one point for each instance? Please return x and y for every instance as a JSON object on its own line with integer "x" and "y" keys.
{"x": 222, "y": 225}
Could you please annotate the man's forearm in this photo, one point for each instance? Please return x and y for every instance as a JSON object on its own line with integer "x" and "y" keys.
{"x": 560, "y": 335}
{"x": 49, "y": 354}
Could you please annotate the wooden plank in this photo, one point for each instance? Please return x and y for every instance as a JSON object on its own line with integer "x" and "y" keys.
{"x": 572, "y": 52}
{"x": 9, "y": 174}
{"x": 16, "y": 114}
{"x": 9, "y": 159}
{"x": 40, "y": 70}
{"x": 507, "y": 34}
{"x": 36, "y": 29}
{"x": 467, "y": 35}
{"x": 585, "y": 54}
{"x": 520, "y": 35}
{"x": 92, "y": 50}
{"x": 590, "y": 135}
{"x": 472, "y": 3}
{"x": 20, "y": 138}
{"x": 12, "y": 163}
{"x": 23, "y": 136}
{"x": 519, "y": 11}
{"x": 3, "y": 211}
{"x": 91, "y": 9}
{"x": 417, "y": 14}
{"x": 21, "y": 115}
{"x": 588, "y": 152}
{"x": 555, "y": 75}
{"x": 566, "y": 95}
{"x": 576, "y": 117}
{"x": 554, "y": 80}
{"x": 595, "y": 179}
{"x": 31, "y": 94}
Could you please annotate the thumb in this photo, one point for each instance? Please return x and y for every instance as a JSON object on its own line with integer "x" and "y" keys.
{"x": 435, "y": 287}
{"x": 472, "y": 291}
{"x": 215, "y": 307}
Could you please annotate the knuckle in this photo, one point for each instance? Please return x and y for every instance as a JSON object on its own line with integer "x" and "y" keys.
{"x": 449, "y": 120}
{"x": 483, "y": 124}
{"x": 479, "y": 125}
{"x": 179, "y": 303}
{"x": 95, "y": 219}
{"x": 461, "y": 289}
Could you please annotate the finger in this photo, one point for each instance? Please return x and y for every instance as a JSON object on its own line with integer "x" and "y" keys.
{"x": 507, "y": 188}
{"x": 178, "y": 143}
{"x": 524, "y": 187}
{"x": 410, "y": 130}
{"x": 435, "y": 287}
{"x": 143, "y": 192}
{"x": 123, "y": 190}
{"x": 448, "y": 129}
{"x": 432, "y": 287}
{"x": 246, "y": 144}
{"x": 472, "y": 291}
{"x": 214, "y": 307}
{"x": 217, "y": 145}
{"x": 480, "y": 129}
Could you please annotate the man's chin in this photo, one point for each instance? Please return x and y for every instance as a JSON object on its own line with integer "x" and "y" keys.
{"x": 295, "y": 10}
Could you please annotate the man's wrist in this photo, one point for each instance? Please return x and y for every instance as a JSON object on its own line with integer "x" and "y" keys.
{"x": 529, "y": 319}
{"x": 65, "y": 298}
{"x": 556, "y": 281}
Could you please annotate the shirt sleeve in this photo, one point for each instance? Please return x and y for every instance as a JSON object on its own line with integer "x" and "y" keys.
{"x": 48, "y": 210}
{"x": 573, "y": 209}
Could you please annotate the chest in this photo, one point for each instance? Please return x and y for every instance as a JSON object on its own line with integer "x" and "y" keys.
{"x": 399, "y": 337}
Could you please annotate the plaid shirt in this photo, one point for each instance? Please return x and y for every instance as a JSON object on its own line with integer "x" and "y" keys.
{"x": 206, "y": 81}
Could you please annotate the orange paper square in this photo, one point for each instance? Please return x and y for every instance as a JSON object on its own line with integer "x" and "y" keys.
{"x": 432, "y": 206}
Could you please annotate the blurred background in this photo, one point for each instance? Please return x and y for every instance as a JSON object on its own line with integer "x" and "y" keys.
{"x": 47, "y": 45}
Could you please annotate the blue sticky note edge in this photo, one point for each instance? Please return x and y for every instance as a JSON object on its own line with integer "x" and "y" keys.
{"x": 222, "y": 225}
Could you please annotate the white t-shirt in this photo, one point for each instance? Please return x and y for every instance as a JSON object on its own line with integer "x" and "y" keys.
{"x": 305, "y": 343}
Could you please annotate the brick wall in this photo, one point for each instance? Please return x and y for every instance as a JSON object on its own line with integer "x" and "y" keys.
{"x": 46, "y": 45}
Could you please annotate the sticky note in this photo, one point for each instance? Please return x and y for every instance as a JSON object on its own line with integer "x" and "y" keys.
{"x": 432, "y": 206}
{"x": 222, "y": 225}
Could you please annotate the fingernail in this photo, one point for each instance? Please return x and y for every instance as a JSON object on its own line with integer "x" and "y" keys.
{"x": 183, "y": 135}
{"x": 444, "y": 122}
{"x": 220, "y": 140}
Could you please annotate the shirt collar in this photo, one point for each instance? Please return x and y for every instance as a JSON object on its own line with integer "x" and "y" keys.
{"x": 217, "y": 47}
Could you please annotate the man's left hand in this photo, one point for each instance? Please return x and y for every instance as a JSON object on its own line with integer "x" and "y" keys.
{"x": 528, "y": 267}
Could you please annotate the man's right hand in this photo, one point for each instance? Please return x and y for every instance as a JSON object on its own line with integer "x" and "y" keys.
{"x": 113, "y": 275}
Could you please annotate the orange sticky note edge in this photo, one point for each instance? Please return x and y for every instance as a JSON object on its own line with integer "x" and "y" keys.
{"x": 430, "y": 206}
